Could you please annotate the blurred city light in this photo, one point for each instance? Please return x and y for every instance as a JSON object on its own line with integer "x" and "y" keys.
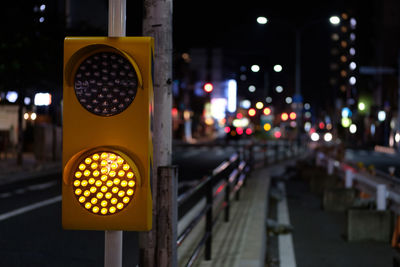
{"x": 288, "y": 100}
{"x": 361, "y": 106}
{"x": 268, "y": 99}
{"x": 352, "y": 51}
{"x": 252, "y": 112}
{"x": 267, "y": 127}
{"x": 267, "y": 111}
{"x": 218, "y": 107}
{"x": 279, "y": 89}
{"x": 335, "y": 20}
{"x": 259, "y": 105}
{"x": 328, "y": 137}
{"x": 372, "y": 129}
{"x": 208, "y": 87}
{"x": 252, "y": 88}
{"x": 255, "y": 68}
{"x": 262, "y": 20}
{"x": 315, "y": 137}
{"x": 26, "y": 115}
{"x": 27, "y": 100}
{"x": 353, "y": 22}
{"x": 307, "y": 106}
{"x": 321, "y": 125}
{"x": 381, "y": 115}
{"x": 292, "y": 115}
{"x": 353, "y": 65}
{"x": 346, "y": 112}
{"x": 277, "y": 134}
{"x": 353, "y": 128}
{"x": 227, "y": 129}
{"x": 346, "y": 122}
{"x": 284, "y": 116}
{"x": 243, "y": 122}
{"x": 232, "y": 98}
{"x": 307, "y": 126}
{"x": 397, "y": 137}
{"x": 245, "y": 104}
{"x": 277, "y": 68}
{"x": 12, "y": 96}
{"x": 42, "y": 99}
{"x": 33, "y": 116}
{"x": 249, "y": 131}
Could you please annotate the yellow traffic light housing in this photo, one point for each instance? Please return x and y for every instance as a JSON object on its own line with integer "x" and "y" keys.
{"x": 107, "y": 138}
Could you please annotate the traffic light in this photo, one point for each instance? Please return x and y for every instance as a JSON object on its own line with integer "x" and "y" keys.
{"x": 107, "y": 136}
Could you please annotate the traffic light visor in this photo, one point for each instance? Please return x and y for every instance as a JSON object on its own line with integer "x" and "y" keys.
{"x": 105, "y": 79}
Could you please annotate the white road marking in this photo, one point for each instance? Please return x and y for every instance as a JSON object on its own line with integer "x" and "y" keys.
{"x": 285, "y": 242}
{"x": 28, "y": 208}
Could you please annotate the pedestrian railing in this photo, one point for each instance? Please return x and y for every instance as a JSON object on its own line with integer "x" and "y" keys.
{"x": 230, "y": 176}
{"x": 213, "y": 195}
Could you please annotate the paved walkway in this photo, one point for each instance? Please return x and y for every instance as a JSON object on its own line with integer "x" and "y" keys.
{"x": 241, "y": 242}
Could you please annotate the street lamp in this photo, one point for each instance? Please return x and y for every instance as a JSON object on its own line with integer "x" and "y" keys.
{"x": 335, "y": 20}
{"x": 277, "y": 68}
{"x": 262, "y": 20}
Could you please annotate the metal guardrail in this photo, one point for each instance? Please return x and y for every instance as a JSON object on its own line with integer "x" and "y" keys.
{"x": 231, "y": 175}
{"x": 233, "y": 172}
{"x": 381, "y": 185}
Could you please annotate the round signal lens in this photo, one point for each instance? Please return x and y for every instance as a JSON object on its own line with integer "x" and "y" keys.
{"x": 119, "y": 191}
{"x": 105, "y": 83}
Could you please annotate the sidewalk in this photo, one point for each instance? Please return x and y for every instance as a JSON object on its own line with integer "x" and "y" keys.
{"x": 30, "y": 168}
{"x": 242, "y": 241}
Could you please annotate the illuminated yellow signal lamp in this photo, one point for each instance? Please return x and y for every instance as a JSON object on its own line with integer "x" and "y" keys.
{"x": 107, "y": 143}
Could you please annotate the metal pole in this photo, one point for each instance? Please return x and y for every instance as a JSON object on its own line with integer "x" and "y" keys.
{"x": 113, "y": 249}
{"x": 116, "y": 28}
{"x": 117, "y": 18}
{"x": 398, "y": 97}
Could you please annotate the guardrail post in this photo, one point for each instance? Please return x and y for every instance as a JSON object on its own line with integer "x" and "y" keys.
{"x": 265, "y": 154}
{"x": 348, "y": 179}
{"x": 227, "y": 198}
{"x": 331, "y": 166}
{"x": 209, "y": 219}
{"x": 381, "y": 197}
{"x": 167, "y": 219}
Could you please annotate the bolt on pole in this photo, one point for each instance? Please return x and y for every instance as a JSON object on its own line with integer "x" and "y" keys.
{"x": 116, "y": 28}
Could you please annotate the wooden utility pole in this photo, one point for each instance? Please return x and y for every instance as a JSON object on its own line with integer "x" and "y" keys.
{"x": 157, "y": 23}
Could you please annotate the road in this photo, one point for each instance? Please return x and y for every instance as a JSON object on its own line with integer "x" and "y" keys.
{"x": 30, "y": 218}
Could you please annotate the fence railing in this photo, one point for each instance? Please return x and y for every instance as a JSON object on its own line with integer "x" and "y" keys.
{"x": 380, "y": 185}
{"x": 232, "y": 173}
{"x": 225, "y": 182}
